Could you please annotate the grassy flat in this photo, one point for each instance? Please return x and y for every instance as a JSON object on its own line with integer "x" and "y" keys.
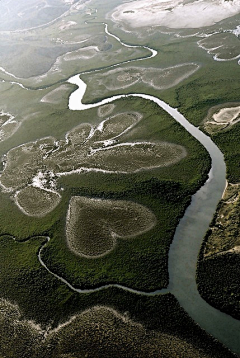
{"x": 93, "y": 226}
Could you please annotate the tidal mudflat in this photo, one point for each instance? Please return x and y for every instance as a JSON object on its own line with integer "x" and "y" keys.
{"x": 38, "y": 165}
{"x": 174, "y": 14}
{"x": 119, "y": 79}
{"x": 222, "y": 117}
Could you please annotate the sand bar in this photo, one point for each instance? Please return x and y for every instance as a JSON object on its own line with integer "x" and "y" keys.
{"x": 175, "y": 13}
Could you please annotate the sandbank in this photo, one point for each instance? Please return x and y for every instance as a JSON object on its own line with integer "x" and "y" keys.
{"x": 175, "y": 13}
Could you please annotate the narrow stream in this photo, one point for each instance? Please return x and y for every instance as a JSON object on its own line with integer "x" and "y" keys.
{"x": 189, "y": 233}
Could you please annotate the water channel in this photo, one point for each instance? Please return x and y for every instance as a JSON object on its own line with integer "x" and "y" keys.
{"x": 190, "y": 231}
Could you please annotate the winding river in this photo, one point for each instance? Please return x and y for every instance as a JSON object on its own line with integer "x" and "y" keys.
{"x": 190, "y": 231}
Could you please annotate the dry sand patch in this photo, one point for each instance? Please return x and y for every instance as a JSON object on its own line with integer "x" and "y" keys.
{"x": 227, "y": 115}
{"x": 174, "y": 13}
{"x": 220, "y": 118}
{"x": 67, "y": 25}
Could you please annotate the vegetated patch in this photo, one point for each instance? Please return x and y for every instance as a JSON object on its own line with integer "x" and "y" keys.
{"x": 97, "y": 50}
{"x": 102, "y": 331}
{"x": 56, "y": 51}
{"x": 55, "y": 96}
{"x": 50, "y": 320}
{"x": 24, "y": 162}
{"x": 34, "y": 201}
{"x": 116, "y": 335}
{"x": 222, "y": 117}
{"x": 128, "y": 158}
{"x": 210, "y": 88}
{"x": 8, "y": 125}
{"x": 223, "y": 236}
{"x": 218, "y": 271}
{"x": 165, "y": 190}
{"x": 123, "y": 77}
{"x": 93, "y": 226}
{"x": 105, "y": 110}
{"x": 30, "y": 14}
{"x": 18, "y": 336}
{"x": 224, "y": 46}
{"x": 87, "y": 148}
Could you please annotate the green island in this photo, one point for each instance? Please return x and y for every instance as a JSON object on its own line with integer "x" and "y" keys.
{"x": 92, "y": 195}
{"x": 218, "y": 268}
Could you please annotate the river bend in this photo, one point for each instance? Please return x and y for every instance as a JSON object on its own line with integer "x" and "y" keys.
{"x": 190, "y": 232}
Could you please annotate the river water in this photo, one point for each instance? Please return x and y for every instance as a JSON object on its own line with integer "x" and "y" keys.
{"x": 190, "y": 231}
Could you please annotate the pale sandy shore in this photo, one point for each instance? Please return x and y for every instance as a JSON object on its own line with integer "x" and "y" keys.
{"x": 227, "y": 115}
{"x": 175, "y": 13}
